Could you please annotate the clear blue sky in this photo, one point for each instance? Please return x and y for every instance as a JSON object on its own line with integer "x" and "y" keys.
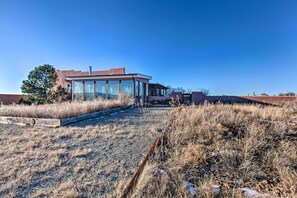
{"x": 229, "y": 47}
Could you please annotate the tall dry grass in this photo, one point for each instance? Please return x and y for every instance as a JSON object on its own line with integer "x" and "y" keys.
{"x": 228, "y": 147}
{"x": 62, "y": 110}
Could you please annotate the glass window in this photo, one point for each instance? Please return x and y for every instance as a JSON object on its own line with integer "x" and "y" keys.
{"x": 141, "y": 91}
{"x": 69, "y": 88}
{"x": 127, "y": 87}
{"x": 101, "y": 89}
{"x": 78, "y": 90}
{"x": 89, "y": 90}
{"x": 137, "y": 88}
{"x": 157, "y": 92}
{"x": 113, "y": 89}
{"x": 146, "y": 90}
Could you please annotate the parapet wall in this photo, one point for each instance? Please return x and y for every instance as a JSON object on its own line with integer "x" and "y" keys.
{"x": 199, "y": 97}
{"x": 7, "y": 99}
{"x": 62, "y": 74}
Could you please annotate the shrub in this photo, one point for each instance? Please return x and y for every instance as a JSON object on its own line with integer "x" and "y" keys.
{"x": 230, "y": 146}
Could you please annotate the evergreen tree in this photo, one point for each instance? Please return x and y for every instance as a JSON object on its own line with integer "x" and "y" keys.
{"x": 39, "y": 85}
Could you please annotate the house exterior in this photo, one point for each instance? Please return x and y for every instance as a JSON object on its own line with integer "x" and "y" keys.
{"x": 115, "y": 83}
{"x": 63, "y": 74}
{"x": 108, "y": 84}
{"x": 158, "y": 93}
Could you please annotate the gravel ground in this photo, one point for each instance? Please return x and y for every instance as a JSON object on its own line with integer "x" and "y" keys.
{"x": 92, "y": 158}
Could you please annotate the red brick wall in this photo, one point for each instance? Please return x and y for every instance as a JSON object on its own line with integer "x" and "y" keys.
{"x": 272, "y": 99}
{"x": 62, "y": 74}
{"x": 7, "y": 99}
{"x": 199, "y": 97}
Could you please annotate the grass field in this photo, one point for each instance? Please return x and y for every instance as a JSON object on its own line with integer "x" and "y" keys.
{"x": 223, "y": 148}
{"x": 61, "y": 110}
{"x": 220, "y": 150}
{"x": 92, "y": 158}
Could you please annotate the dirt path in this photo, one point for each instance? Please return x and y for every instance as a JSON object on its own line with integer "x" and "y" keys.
{"x": 86, "y": 159}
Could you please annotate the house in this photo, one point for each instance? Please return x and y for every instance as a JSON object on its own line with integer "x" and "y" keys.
{"x": 158, "y": 93}
{"x": 108, "y": 84}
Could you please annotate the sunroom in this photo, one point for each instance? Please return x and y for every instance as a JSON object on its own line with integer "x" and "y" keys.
{"x": 85, "y": 88}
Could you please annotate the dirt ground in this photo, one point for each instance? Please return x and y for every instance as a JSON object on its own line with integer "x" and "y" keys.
{"x": 92, "y": 158}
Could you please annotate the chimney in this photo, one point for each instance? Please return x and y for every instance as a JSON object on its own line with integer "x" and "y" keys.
{"x": 90, "y": 70}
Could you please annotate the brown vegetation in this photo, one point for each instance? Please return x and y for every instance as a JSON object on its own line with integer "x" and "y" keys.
{"x": 86, "y": 159}
{"x": 61, "y": 110}
{"x": 221, "y": 149}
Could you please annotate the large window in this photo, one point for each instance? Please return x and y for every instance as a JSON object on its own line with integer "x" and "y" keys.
{"x": 69, "y": 88}
{"x": 146, "y": 90}
{"x": 113, "y": 89}
{"x": 141, "y": 90}
{"x": 158, "y": 92}
{"x": 89, "y": 90}
{"x": 137, "y": 90}
{"x": 78, "y": 87}
{"x": 127, "y": 88}
{"x": 101, "y": 88}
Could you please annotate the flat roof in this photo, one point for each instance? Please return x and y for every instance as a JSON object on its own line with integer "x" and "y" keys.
{"x": 114, "y": 76}
{"x": 157, "y": 86}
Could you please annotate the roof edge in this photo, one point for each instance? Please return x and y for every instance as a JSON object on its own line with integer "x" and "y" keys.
{"x": 114, "y": 76}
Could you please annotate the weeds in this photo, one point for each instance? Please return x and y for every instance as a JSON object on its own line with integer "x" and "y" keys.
{"x": 89, "y": 160}
{"x": 61, "y": 110}
{"x": 232, "y": 147}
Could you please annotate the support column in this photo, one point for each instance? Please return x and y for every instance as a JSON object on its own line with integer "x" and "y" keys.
{"x": 120, "y": 89}
{"x": 145, "y": 92}
{"x": 106, "y": 90}
{"x": 134, "y": 94}
{"x": 83, "y": 90}
{"x": 72, "y": 90}
{"x": 95, "y": 90}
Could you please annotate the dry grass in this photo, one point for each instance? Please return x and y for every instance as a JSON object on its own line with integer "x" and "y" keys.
{"x": 228, "y": 146}
{"x": 61, "y": 110}
{"x": 89, "y": 160}
{"x": 67, "y": 190}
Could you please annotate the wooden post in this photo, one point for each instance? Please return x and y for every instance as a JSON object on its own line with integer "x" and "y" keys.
{"x": 138, "y": 82}
{"x": 120, "y": 89}
{"x": 134, "y": 82}
{"x": 72, "y": 89}
{"x": 144, "y": 92}
{"x": 106, "y": 90}
{"x": 95, "y": 90}
{"x": 133, "y": 183}
{"x": 83, "y": 90}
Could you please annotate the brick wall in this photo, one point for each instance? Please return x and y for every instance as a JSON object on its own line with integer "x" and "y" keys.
{"x": 7, "y": 99}
{"x": 199, "y": 97}
{"x": 62, "y": 74}
{"x": 272, "y": 99}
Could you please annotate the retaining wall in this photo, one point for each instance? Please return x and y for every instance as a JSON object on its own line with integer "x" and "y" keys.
{"x": 48, "y": 122}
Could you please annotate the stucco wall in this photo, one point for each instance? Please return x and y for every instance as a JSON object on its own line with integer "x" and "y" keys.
{"x": 7, "y": 99}
{"x": 62, "y": 74}
{"x": 199, "y": 97}
{"x": 158, "y": 98}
